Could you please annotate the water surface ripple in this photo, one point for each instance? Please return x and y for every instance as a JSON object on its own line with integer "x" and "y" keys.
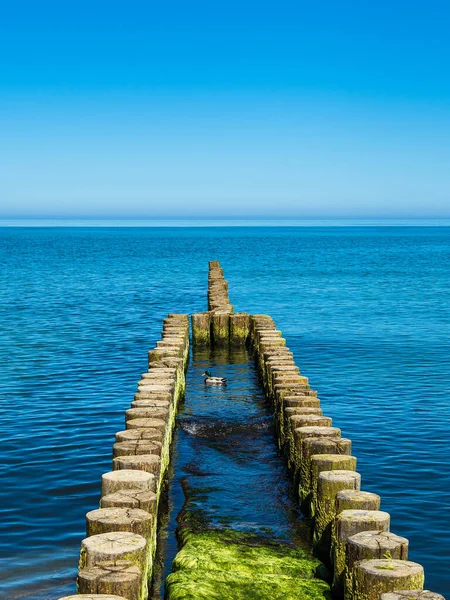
{"x": 366, "y": 311}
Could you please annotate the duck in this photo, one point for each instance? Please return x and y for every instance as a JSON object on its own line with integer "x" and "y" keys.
{"x": 210, "y": 380}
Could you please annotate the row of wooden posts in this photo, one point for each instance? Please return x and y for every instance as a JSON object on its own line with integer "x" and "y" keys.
{"x": 220, "y": 325}
{"x": 350, "y": 534}
{"x": 117, "y": 554}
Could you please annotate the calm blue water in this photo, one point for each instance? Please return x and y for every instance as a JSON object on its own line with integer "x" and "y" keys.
{"x": 365, "y": 310}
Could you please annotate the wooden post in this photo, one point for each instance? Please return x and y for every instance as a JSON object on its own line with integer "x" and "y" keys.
{"x": 131, "y": 499}
{"x": 329, "y": 483}
{"x": 149, "y": 434}
{"x": 107, "y": 577}
{"x": 220, "y": 328}
{"x": 239, "y": 328}
{"x": 118, "y": 545}
{"x": 107, "y": 520}
{"x": 128, "y": 479}
{"x": 150, "y": 463}
{"x": 374, "y": 577}
{"x": 368, "y": 545}
{"x": 346, "y": 524}
{"x": 330, "y": 462}
{"x": 357, "y": 500}
{"x": 201, "y": 329}
{"x": 411, "y": 595}
{"x": 320, "y": 444}
{"x": 136, "y": 447}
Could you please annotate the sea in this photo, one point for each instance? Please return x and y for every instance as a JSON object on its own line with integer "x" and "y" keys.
{"x": 365, "y": 307}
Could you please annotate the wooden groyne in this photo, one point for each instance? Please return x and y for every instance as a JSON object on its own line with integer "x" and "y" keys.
{"x": 116, "y": 557}
{"x": 219, "y": 326}
{"x": 349, "y": 533}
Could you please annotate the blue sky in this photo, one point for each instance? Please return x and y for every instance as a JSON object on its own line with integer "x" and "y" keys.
{"x": 236, "y": 109}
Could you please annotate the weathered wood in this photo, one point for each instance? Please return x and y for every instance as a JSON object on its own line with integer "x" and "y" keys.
{"x": 411, "y": 595}
{"x": 107, "y": 577}
{"x": 147, "y": 402}
{"x": 106, "y": 520}
{"x": 301, "y": 401}
{"x": 239, "y": 328}
{"x": 329, "y": 483}
{"x": 330, "y": 462}
{"x": 143, "y": 433}
{"x": 357, "y": 500}
{"x": 137, "y": 447}
{"x": 220, "y": 328}
{"x": 118, "y": 545}
{"x": 320, "y": 444}
{"x": 149, "y": 412}
{"x": 151, "y": 463}
{"x": 374, "y": 577}
{"x": 131, "y": 499}
{"x": 368, "y": 545}
{"x": 127, "y": 479}
{"x": 297, "y": 422}
{"x": 346, "y": 524}
{"x": 201, "y": 329}
{"x": 146, "y": 424}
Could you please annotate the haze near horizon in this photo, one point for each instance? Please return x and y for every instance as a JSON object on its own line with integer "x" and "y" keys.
{"x": 244, "y": 110}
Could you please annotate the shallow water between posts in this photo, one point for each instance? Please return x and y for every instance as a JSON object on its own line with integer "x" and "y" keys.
{"x": 225, "y": 461}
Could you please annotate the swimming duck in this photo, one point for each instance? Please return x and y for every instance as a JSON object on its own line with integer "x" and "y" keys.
{"x": 210, "y": 380}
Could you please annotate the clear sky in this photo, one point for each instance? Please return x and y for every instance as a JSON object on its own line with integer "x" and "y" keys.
{"x": 225, "y": 109}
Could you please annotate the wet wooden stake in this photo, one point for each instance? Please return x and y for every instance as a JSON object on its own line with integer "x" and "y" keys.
{"x": 201, "y": 329}
{"x": 357, "y": 500}
{"x": 131, "y": 499}
{"x": 346, "y": 524}
{"x": 106, "y": 520}
{"x": 320, "y": 444}
{"x": 129, "y": 479}
{"x": 107, "y": 577}
{"x": 136, "y": 447}
{"x": 149, "y": 412}
{"x": 220, "y": 328}
{"x": 368, "y": 545}
{"x": 411, "y": 595}
{"x": 331, "y": 462}
{"x": 239, "y": 328}
{"x": 296, "y": 422}
{"x": 119, "y": 545}
{"x": 374, "y": 577}
{"x": 143, "y": 433}
{"x": 328, "y": 485}
{"x": 150, "y": 463}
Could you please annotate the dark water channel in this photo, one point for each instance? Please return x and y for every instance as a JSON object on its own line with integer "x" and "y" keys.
{"x": 225, "y": 457}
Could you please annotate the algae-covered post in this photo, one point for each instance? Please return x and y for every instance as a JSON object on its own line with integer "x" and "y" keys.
{"x": 369, "y": 545}
{"x": 239, "y": 328}
{"x": 347, "y": 524}
{"x": 201, "y": 329}
{"x": 374, "y": 577}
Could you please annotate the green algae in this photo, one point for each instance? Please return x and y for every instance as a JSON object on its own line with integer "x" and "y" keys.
{"x": 231, "y": 564}
{"x": 234, "y": 551}
{"x": 199, "y": 585}
{"x": 224, "y": 563}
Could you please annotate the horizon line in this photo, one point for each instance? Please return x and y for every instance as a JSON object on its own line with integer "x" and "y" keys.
{"x": 220, "y": 222}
